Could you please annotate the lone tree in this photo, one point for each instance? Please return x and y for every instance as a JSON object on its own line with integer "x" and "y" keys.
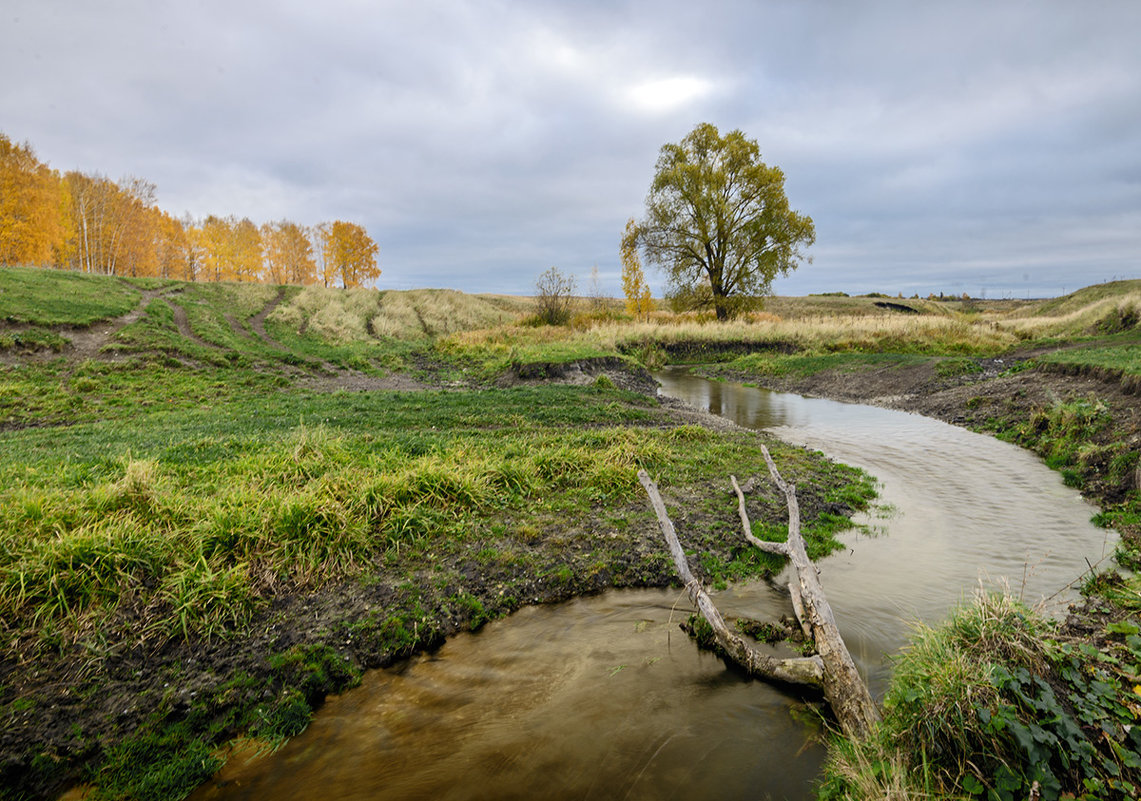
{"x": 718, "y": 222}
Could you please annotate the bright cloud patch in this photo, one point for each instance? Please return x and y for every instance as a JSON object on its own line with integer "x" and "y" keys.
{"x": 667, "y": 94}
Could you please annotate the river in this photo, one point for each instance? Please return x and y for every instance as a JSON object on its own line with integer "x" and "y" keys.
{"x": 604, "y": 698}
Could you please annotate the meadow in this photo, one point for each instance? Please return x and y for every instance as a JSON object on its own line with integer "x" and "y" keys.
{"x": 292, "y": 484}
{"x": 194, "y": 464}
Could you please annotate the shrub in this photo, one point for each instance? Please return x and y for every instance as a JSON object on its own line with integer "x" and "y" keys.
{"x": 554, "y": 297}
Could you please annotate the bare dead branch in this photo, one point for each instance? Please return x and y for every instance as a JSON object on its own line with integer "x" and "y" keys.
{"x": 804, "y": 670}
{"x": 844, "y": 688}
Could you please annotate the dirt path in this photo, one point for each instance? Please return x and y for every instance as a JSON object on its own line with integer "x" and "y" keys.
{"x": 237, "y": 327}
{"x": 87, "y": 343}
{"x": 183, "y": 323}
{"x": 257, "y": 322}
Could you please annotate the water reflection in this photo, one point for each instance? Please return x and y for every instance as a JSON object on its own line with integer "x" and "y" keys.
{"x": 743, "y": 405}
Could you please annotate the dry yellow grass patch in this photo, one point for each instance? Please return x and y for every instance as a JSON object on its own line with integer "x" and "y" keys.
{"x": 341, "y": 316}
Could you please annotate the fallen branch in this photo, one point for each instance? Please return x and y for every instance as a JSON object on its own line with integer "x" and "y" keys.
{"x": 832, "y": 669}
{"x": 803, "y": 670}
{"x": 779, "y": 548}
{"x": 843, "y": 687}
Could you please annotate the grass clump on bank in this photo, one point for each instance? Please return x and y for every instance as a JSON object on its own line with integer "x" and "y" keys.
{"x": 994, "y": 704}
{"x": 161, "y": 760}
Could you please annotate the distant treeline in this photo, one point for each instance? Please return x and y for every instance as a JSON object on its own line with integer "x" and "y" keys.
{"x": 89, "y": 223}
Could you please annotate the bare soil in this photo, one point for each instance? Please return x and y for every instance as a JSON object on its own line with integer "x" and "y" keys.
{"x": 257, "y": 322}
{"x": 996, "y": 390}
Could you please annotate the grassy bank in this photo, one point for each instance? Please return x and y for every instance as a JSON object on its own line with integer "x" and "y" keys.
{"x": 213, "y": 512}
{"x": 997, "y": 703}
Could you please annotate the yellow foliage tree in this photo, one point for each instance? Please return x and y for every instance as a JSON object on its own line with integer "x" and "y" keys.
{"x": 216, "y": 248}
{"x": 141, "y": 229}
{"x": 87, "y": 222}
{"x": 116, "y": 225}
{"x": 349, "y": 254}
{"x": 288, "y": 254}
{"x": 247, "y": 251}
{"x": 173, "y": 248}
{"x": 32, "y": 197}
{"x": 639, "y": 301}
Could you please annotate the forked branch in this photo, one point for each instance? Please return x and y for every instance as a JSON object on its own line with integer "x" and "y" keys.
{"x": 804, "y": 670}
{"x": 832, "y": 668}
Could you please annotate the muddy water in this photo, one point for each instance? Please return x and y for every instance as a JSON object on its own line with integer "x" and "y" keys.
{"x": 604, "y": 698}
{"x": 964, "y": 511}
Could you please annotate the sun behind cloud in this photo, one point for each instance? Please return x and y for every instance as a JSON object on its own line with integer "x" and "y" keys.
{"x": 668, "y": 94}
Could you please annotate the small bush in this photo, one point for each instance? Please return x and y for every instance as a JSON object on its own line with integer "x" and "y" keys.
{"x": 554, "y": 296}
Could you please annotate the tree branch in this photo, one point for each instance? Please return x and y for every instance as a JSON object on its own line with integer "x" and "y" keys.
{"x": 806, "y": 670}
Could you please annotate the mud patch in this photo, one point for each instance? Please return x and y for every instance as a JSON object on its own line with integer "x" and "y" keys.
{"x": 619, "y": 372}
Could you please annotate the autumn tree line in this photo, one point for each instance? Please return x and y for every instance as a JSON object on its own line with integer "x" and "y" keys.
{"x": 89, "y": 223}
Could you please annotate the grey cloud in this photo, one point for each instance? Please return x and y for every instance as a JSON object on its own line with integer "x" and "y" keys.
{"x": 972, "y": 143}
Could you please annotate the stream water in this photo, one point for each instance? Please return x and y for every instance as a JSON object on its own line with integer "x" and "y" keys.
{"x": 604, "y": 698}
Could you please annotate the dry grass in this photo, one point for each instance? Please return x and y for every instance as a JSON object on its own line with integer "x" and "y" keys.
{"x": 436, "y": 312}
{"x": 919, "y": 333}
{"x": 1069, "y": 318}
{"x": 341, "y": 316}
{"x": 336, "y": 315}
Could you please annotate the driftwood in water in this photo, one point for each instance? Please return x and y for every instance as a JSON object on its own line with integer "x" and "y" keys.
{"x": 805, "y": 670}
{"x": 832, "y": 669}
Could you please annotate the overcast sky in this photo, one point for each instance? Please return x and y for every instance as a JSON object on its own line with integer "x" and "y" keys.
{"x": 988, "y": 147}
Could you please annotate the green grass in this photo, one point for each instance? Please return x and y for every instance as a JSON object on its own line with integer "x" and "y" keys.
{"x": 212, "y": 509}
{"x": 1065, "y": 435}
{"x": 369, "y": 356}
{"x": 52, "y": 297}
{"x": 992, "y": 703}
{"x": 1120, "y": 352}
{"x": 174, "y": 750}
{"x": 491, "y": 354}
{"x": 32, "y": 338}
